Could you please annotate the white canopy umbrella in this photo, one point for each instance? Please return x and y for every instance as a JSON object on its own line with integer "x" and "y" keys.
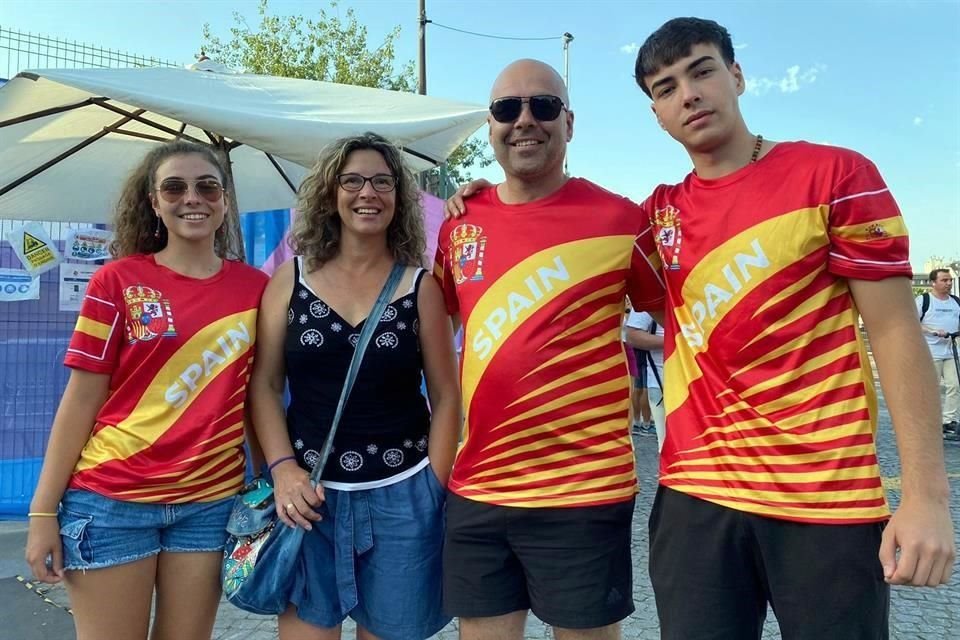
{"x": 69, "y": 136}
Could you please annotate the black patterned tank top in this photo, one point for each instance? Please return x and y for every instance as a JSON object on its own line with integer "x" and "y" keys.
{"x": 384, "y": 427}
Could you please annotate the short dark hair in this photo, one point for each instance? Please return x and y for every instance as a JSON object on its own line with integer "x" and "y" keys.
{"x": 936, "y": 273}
{"x": 674, "y": 40}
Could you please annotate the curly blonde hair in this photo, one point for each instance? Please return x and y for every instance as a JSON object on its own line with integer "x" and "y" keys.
{"x": 135, "y": 222}
{"x": 316, "y": 230}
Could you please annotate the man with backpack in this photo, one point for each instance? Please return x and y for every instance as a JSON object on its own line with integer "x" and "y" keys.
{"x": 940, "y": 321}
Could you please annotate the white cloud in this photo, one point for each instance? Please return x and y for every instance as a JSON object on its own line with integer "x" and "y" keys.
{"x": 789, "y": 83}
{"x": 633, "y": 47}
{"x": 918, "y": 121}
{"x": 741, "y": 46}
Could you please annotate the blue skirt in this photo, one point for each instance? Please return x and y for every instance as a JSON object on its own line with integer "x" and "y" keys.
{"x": 376, "y": 557}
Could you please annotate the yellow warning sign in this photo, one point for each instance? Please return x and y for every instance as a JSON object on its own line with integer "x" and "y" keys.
{"x": 36, "y": 253}
{"x": 31, "y": 244}
{"x": 35, "y": 248}
{"x": 39, "y": 257}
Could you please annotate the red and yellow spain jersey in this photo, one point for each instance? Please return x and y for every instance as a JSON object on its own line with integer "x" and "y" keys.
{"x": 178, "y": 351}
{"x": 540, "y": 289}
{"x": 770, "y": 402}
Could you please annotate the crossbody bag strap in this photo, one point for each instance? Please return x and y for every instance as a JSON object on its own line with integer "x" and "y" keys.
{"x": 653, "y": 365}
{"x": 369, "y": 326}
{"x": 656, "y": 374}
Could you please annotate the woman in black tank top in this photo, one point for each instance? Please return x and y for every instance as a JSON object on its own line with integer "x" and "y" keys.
{"x": 374, "y": 525}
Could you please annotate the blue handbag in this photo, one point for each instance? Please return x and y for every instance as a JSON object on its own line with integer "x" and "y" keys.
{"x": 261, "y": 554}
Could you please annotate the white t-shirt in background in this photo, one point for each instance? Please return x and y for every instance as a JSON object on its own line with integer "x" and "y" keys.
{"x": 942, "y": 314}
{"x": 643, "y": 321}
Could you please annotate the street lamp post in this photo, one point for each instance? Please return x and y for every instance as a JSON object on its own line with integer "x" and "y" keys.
{"x": 567, "y": 39}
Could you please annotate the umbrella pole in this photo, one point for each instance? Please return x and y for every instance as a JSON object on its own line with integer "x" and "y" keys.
{"x": 232, "y": 235}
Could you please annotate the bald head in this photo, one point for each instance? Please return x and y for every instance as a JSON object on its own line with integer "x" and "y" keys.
{"x": 521, "y": 77}
{"x": 530, "y": 142}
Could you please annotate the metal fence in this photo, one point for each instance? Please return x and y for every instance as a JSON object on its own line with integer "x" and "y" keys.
{"x": 33, "y": 341}
{"x": 21, "y": 50}
{"x": 34, "y": 334}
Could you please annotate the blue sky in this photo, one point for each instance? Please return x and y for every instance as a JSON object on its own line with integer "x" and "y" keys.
{"x": 879, "y": 77}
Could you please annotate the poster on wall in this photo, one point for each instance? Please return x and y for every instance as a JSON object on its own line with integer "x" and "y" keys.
{"x": 34, "y": 247}
{"x": 74, "y": 279}
{"x": 88, "y": 244}
{"x": 17, "y": 285}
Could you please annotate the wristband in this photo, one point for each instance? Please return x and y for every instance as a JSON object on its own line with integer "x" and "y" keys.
{"x": 278, "y": 461}
{"x": 41, "y": 514}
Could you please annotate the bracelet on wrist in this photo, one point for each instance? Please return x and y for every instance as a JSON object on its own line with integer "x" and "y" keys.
{"x": 278, "y": 461}
{"x": 42, "y": 514}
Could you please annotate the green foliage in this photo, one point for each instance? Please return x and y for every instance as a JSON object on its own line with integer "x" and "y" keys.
{"x": 327, "y": 48}
{"x": 472, "y": 152}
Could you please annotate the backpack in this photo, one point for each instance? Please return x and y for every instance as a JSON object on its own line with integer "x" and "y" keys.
{"x": 925, "y": 303}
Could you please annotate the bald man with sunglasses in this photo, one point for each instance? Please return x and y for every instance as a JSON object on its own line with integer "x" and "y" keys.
{"x": 544, "y": 484}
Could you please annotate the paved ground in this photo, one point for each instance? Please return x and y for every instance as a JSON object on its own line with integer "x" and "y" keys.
{"x": 921, "y": 613}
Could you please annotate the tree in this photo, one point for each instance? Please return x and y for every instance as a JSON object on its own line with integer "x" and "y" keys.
{"x": 940, "y": 262}
{"x": 331, "y": 49}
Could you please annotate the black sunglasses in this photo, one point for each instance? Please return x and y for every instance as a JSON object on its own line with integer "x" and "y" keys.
{"x": 544, "y": 108}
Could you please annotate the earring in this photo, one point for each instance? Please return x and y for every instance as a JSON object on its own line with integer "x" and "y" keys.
{"x": 156, "y": 232}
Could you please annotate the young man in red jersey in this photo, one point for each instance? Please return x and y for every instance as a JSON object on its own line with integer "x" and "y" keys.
{"x": 543, "y": 487}
{"x": 770, "y": 489}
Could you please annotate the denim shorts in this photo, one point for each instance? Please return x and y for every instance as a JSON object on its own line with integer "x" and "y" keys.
{"x": 100, "y": 532}
{"x": 376, "y": 556}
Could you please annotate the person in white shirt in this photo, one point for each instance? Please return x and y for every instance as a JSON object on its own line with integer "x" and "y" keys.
{"x": 640, "y": 407}
{"x": 641, "y": 332}
{"x": 940, "y": 321}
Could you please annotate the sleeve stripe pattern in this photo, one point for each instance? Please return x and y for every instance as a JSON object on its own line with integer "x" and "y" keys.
{"x": 653, "y": 261}
{"x": 95, "y": 329}
{"x": 859, "y": 195}
{"x": 868, "y": 238}
{"x": 891, "y": 227}
{"x": 893, "y": 263}
{"x": 102, "y": 301}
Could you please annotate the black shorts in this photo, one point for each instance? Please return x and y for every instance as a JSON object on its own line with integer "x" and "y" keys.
{"x": 570, "y": 566}
{"x": 714, "y": 569}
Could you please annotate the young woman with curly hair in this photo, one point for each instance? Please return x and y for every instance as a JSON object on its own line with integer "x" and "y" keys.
{"x": 375, "y": 523}
{"x": 146, "y": 450}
